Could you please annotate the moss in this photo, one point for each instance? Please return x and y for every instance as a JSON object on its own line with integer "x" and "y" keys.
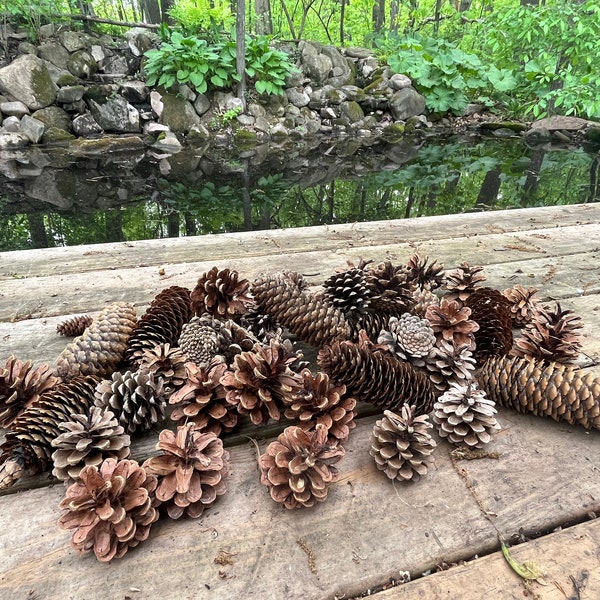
{"x": 373, "y": 85}
{"x": 54, "y": 135}
{"x": 42, "y": 86}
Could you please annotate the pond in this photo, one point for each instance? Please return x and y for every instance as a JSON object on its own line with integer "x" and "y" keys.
{"x": 126, "y": 191}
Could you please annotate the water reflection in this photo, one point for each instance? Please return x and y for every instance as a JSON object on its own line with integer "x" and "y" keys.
{"x": 51, "y": 197}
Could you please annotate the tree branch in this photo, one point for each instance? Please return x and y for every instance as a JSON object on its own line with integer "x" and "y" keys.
{"x": 107, "y": 21}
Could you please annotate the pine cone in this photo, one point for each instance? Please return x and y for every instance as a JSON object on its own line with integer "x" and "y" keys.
{"x": 161, "y": 323}
{"x": 524, "y": 303}
{"x": 461, "y": 282}
{"x": 491, "y": 311}
{"x": 391, "y": 292}
{"x": 451, "y": 321}
{"x": 191, "y": 471}
{"x": 260, "y": 381}
{"x": 74, "y": 326}
{"x": 543, "y": 388}
{"x": 168, "y": 363}
{"x": 136, "y": 398}
{"x": 552, "y": 336}
{"x": 401, "y": 445}
{"x": 198, "y": 342}
{"x": 320, "y": 401}
{"x": 299, "y": 466}
{"x": 222, "y": 294}
{"x": 408, "y": 338}
{"x": 422, "y": 300}
{"x": 465, "y": 416}
{"x": 348, "y": 290}
{"x": 376, "y": 377}
{"x": 101, "y": 347}
{"x": 28, "y": 444}
{"x": 449, "y": 363}
{"x": 87, "y": 439}
{"x": 110, "y": 508}
{"x": 422, "y": 275}
{"x": 314, "y": 319}
{"x": 201, "y": 400}
{"x": 21, "y": 386}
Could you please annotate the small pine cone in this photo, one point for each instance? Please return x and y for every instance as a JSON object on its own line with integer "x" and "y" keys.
{"x": 552, "y": 336}
{"x": 461, "y": 282}
{"x": 222, "y": 294}
{"x": 314, "y": 319}
{"x": 136, "y": 398}
{"x": 376, "y": 377}
{"x": 21, "y": 386}
{"x": 401, "y": 445}
{"x": 198, "y": 342}
{"x": 543, "y": 388}
{"x": 260, "y": 325}
{"x": 348, "y": 290}
{"x": 408, "y": 337}
{"x": 110, "y": 508}
{"x": 160, "y": 324}
{"x": 422, "y": 275}
{"x": 320, "y": 401}
{"x": 164, "y": 361}
{"x": 451, "y": 321}
{"x": 201, "y": 400}
{"x": 74, "y": 326}
{"x": 28, "y": 444}
{"x": 465, "y": 416}
{"x": 87, "y": 439}
{"x": 101, "y": 347}
{"x": 299, "y": 466}
{"x": 524, "y": 303}
{"x": 491, "y": 311}
{"x": 261, "y": 381}
{"x": 449, "y": 363}
{"x": 391, "y": 292}
{"x": 191, "y": 471}
{"x": 422, "y": 300}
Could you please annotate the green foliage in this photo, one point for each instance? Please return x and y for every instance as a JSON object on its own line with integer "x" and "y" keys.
{"x": 267, "y": 66}
{"x": 209, "y": 16}
{"x": 32, "y": 14}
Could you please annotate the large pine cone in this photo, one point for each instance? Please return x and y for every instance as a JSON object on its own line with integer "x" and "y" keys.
{"x": 101, "y": 347}
{"x": 21, "y": 386}
{"x": 465, "y": 416}
{"x": 410, "y": 338}
{"x": 543, "y": 388}
{"x": 161, "y": 323}
{"x": 376, "y": 377}
{"x": 401, "y": 445}
{"x": 74, "y": 326}
{"x": 87, "y": 439}
{"x": 28, "y": 444}
{"x": 110, "y": 508}
{"x": 136, "y": 398}
{"x": 299, "y": 466}
{"x": 222, "y": 294}
{"x": 191, "y": 471}
{"x": 348, "y": 290}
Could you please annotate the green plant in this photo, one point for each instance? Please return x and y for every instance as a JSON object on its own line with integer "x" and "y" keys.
{"x": 31, "y": 15}
{"x": 209, "y": 17}
{"x": 267, "y": 66}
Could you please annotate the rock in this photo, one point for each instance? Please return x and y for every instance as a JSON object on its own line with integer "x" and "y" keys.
{"x": 47, "y": 31}
{"x": 17, "y": 109}
{"x": 352, "y": 111}
{"x": 156, "y": 103}
{"x": 134, "y": 91}
{"x": 115, "y": 65}
{"x": 512, "y": 125}
{"x": 167, "y": 141}
{"x": 592, "y": 134}
{"x": 278, "y": 131}
{"x": 539, "y": 135}
{"x": 71, "y": 40}
{"x": 66, "y": 78}
{"x": 55, "y": 54}
{"x": 201, "y": 104}
{"x": 178, "y": 114}
{"x": 82, "y": 64}
{"x": 275, "y": 105}
{"x": 98, "y": 53}
{"x": 198, "y": 133}
{"x": 27, "y": 48}
{"x": 79, "y": 107}
{"x": 100, "y": 93}
{"x": 297, "y": 96}
{"x": 341, "y": 72}
{"x": 32, "y": 128}
{"x": 27, "y": 79}
{"x": 185, "y": 91}
{"x": 116, "y": 115}
{"x": 54, "y": 117}
{"x": 246, "y": 120}
{"x": 353, "y": 92}
{"x": 54, "y": 135}
{"x": 399, "y": 82}
{"x": 13, "y": 139}
{"x": 262, "y": 124}
{"x": 11, "y": 124}
{"x": 357, "y": 52}
{"x": 406, "y": 103}
{"x": 70, "y": 93}
{"x": 317, "y": 66}
{"x": 221, "y": 100}
{"x": 85, "y": 125}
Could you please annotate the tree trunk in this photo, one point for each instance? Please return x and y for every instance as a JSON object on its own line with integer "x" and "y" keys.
{"x": 378, "y": 15}
{"x": 488, "y": 194}
{"x": 39, "y": 237}
{"x": 190, "y": 224}
{"x": 264, "y": 21}
{"x": 533, "y": 173}
{"x": 594, "y": 195}
{"x": 394, "y": 12}
{"x": 165, "y": 7}
{"x": 113, "y": 226}
{"x": 342, "y": 17}
{"x": 173, "y": 224}
{"x": 436, "y": 22}
{"x": 240, "y": 50}
{"x": 151, "y": 11}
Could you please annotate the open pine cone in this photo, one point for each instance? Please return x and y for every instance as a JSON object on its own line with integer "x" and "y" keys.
{"x": 110, "y": 508}
{"x": 449, "y": 363}
{"x": 166, "y": 362}
{"x": 191, "y": 471}
{"x": 461, "y": 282}
{"x": 451, "y": 321}
{"x": 422, "y": 274}
{"x": 524, "y": 303}
{"x": 409, "y": 337}
{"x": 222, "y": 294}
{"x": 299, "y": 466}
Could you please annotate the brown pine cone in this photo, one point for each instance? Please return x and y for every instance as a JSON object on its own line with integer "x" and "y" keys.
{"x": 191, "y": 471}
{"x": 299, "y": 466}
{"x": 110, "y": 508}
{"x": 422, "y": 275}
{"x": 461, "y": 282}
{"x": 222, "y": 294}
{"x": 198, "y": 342}
{"x": 448, "y": 363}
{"x": 166, "y": 362}
{"x": 408, "y": 337}
{"x": 452, "y": 321}
{"x": 74, "y": 326}
{"x": 348, "y": 290}
{"x": 524, "y": 303}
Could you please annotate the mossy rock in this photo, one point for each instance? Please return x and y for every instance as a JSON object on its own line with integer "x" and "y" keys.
{"x": 56, "y": 135}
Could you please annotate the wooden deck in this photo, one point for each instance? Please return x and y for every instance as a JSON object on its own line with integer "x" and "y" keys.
{"x": 541, "y": 479}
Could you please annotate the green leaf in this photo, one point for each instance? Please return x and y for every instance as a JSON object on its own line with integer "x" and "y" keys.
{"x": 527, "y": 570}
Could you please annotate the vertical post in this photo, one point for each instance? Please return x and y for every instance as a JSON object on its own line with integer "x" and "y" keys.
{"x": 240, "y": 50}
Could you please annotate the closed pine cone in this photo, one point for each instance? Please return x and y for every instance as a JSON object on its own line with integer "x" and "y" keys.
{"x": 198, "y": 342}
{"x": 543, "y": 388}
{"x": 299, "y": 466}
{"x": 222, "y": 294}
{"x": 191, "y": 471}
{"x": 401, "y": 445}
{"x": 87, "y": 439}
{"x": 348, "y": 290}
{"x": 524, "y": 303}
{"x": 74, "y": 326}
{"x": 320, "y": 401}
{"x": 101, "y": 347}
{"x": 110, "y": 508}
{"x": 465, "y": 416}
{"x": 21, "y": 386}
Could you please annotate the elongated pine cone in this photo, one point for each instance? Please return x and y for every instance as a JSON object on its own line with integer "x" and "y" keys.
{"x": 320, "y": 401}
{"x": 28, "y": 444}
{"x": 161, "y": 323}
{"x": 222, "y": 294}
{"x": 74, "y": 326}
{"x": 401, "y": 445}
{"x": 451, "y": 321}
{"x": 423, "y": 274}
{"x": 524, "y": 303}
{"x": 135, "y": 397}
{"x": 299, "y": 466}
{"x": 20, "y": 386}
{"x": 101, "y": 347}
{"x": 201, "y": 400}
{"x": 191, "y": 471}
{"x": 87, "y": 439}
{"x": 110, "y": 508}
{"x": 461, "y": 282}
{"x": 465, "y": 416}
{"x": 314, "y": 319}
{"x": 543, "y": 388}
{"x": 376, "y": 377}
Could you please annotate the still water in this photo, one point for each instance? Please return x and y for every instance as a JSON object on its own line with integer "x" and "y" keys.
{"x": 57, "y": 197}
